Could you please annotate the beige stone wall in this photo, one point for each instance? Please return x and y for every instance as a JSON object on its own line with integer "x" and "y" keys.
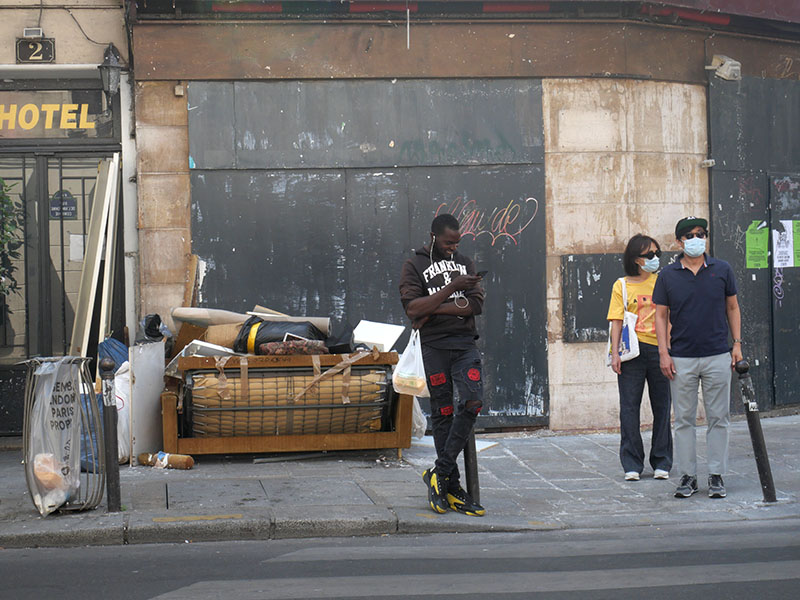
{"x": 162, "y": 142}
{"x": 621, "y": 157}
{"x": 100, "y": 20}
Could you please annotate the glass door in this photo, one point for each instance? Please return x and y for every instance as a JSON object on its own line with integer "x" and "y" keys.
{"x": 55, "y": 193}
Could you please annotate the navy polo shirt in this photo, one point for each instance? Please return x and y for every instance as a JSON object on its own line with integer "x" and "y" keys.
{"x": 696, "y": 305}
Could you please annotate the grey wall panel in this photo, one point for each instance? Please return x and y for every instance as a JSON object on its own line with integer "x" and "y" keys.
{"x": 377, "y": 242}
{"x": 276, "y": 238}
{"x": 211, "y": 125}
{"x": 280, "y": 226}
{"x": 785, "y": 203}
{"x": 501, "y": 210}
{"x": 754, "y": 124}
{"x": 327, "y": 124}
{"x": 742, "y": 199}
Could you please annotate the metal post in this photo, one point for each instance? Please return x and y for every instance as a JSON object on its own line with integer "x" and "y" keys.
{"x": 471, "y": 468}
{"x": 756, "y": 434}
{"x": 110, "y": 435}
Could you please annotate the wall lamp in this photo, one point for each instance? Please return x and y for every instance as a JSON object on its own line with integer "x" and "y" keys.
{"x": 110, "y": 71}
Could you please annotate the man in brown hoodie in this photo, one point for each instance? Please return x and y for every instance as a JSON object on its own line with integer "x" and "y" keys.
{"x": 442, "y": 295}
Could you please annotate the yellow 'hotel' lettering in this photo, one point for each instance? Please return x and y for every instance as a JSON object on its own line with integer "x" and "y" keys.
{"x": 68, "y": 116}
{"x": 48, "y": 110}
{"x": 72, "y": 116}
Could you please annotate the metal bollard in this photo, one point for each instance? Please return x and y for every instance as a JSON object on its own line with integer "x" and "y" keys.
{"x": 110, "y": 435}
{"x": 756, "y": 434}
{"x": 471, "y": 468}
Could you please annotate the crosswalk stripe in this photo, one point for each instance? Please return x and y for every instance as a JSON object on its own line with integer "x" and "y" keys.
{"x": 543, "y": 549}
{"x": 372, "y": 586}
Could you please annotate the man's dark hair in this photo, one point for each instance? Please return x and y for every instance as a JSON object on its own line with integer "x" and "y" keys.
{"x": 442, "y": 222}
{"x": 637, "y": 245}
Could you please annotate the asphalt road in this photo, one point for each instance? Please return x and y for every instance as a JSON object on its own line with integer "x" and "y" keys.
{"x": 725, "y": 560}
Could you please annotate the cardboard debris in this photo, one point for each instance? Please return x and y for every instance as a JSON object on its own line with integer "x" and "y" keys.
{"x": 381, "y": 335}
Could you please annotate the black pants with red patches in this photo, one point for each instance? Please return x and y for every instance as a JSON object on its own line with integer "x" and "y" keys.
{"x": 449, "y": 371}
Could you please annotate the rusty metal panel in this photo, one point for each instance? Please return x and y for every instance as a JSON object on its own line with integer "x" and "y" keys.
{"x": 328, "y": 124}
{"x": 777, "y": 10}
{"x": 310, "y": 51}
{"x": 669, "y": 54}
{"x": 760, "y": 58}
{"x": 231, "y": 51}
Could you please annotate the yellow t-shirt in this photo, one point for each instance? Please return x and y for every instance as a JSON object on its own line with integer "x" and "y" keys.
{"x": 640, "y": 302}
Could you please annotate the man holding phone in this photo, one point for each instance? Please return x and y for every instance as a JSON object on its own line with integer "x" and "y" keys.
{"x": 442, "y": 295}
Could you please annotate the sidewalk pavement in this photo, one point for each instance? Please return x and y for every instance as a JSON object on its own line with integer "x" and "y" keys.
{"x": 529, "y": 481}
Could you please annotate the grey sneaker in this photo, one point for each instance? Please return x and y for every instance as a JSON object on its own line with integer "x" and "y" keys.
{"x": 687, "y": 486}
{"x": 716, "y": 488}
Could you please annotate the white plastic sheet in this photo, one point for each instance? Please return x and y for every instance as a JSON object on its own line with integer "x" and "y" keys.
{"x": 55, "y": 427}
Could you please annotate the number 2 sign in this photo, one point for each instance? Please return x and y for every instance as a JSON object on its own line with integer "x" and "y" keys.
{"x": 39, "y": 50}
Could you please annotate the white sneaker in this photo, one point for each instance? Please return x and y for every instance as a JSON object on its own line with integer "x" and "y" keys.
{"x": 660, "y": 474}
{"x": 631, "y": 476}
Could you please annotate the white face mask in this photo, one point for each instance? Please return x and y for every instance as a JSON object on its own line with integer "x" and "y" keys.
{"x": 651, "y": 265}
{"x": 694, "y": 247}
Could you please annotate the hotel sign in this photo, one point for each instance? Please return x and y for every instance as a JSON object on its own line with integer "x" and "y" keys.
{"x": 53, "y": 114}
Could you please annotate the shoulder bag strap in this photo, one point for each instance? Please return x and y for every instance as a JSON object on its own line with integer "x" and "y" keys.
{"x": 624, "y": 294}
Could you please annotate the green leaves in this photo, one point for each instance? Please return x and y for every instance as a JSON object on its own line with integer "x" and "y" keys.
{"x": 11, "y": 238}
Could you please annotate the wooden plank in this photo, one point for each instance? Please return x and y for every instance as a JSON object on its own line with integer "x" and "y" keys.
{"x": 90, "y": 271}
{"x": 402, "y": 420}
{"x": 190, "y": 289}
{"x": 291, "y": 443}
{"x": 188, "y": 363}
{"x": 112, "y": 193}
{"x": 169, "y": 421}
{"x": 187, "y": 333}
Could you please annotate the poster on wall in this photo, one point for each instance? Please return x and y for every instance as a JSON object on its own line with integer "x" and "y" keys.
{"x": 783, "y": 245}
{"x": 757, "y": 243}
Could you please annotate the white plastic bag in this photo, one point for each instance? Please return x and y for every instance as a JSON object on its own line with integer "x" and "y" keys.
{"x": 409, "y": 374}
{"x": 54, "y": 458}
{"x": 418, "y": 422}
{"x": 628, "y": 341}
{"x": 122, "y": 390}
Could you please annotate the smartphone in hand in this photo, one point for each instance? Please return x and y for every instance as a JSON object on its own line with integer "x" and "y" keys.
{"x": 482, "y": 274}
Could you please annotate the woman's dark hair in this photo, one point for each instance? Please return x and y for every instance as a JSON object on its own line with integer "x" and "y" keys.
{"x": 637, "y": 245}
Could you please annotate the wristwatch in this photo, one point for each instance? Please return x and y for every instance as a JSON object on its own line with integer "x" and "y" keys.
{"x": 737, "y": 341}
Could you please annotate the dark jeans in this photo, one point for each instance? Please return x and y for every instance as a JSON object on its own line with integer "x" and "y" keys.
{"x": 635, "y": 372}
{"x": 448, "y": 370}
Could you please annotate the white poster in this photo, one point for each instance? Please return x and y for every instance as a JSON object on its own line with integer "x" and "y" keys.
{"x": 783, "y": 245}
{"x": 76, "y": 243}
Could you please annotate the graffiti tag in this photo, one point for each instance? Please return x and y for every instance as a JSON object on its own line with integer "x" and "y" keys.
{"x": 507, "y": 222}
{"x": 777, "y": 288}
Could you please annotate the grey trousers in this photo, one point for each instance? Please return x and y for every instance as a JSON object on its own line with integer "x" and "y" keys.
{"x": 714, "y": 374}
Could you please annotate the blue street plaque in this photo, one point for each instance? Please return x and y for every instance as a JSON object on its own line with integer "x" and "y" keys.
{"x": 63, "y": 205}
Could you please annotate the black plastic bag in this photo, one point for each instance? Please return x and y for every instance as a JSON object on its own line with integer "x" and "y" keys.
{"x": 255, "y": 331}
{"x": 341, "y": 339}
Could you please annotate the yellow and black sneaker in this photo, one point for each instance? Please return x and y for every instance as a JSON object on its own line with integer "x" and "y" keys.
{"x": 436, "y": 486}
{"x": 460, "y": 501}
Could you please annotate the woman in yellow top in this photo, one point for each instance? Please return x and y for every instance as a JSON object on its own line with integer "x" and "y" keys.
{"x": 641, "y": 261}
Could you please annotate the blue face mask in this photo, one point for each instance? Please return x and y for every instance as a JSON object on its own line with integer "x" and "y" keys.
{"x": 651, "y": 265}
{"x": 694, "y": 247}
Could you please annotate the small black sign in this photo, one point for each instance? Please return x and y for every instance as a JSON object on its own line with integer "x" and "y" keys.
{"x": 63, "y": 205}
{"x": 39, "y": 50}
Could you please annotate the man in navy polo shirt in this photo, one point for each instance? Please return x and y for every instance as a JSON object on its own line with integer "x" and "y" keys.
{"x": 697, "y": 293}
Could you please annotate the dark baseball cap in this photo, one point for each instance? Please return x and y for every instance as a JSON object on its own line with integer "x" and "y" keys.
{"x": 687, "y": 224}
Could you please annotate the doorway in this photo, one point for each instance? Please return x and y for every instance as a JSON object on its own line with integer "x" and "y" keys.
{"x": 55, "y": 191}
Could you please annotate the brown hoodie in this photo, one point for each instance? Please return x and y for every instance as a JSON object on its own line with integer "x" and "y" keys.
{"x": 423, "y": 277}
